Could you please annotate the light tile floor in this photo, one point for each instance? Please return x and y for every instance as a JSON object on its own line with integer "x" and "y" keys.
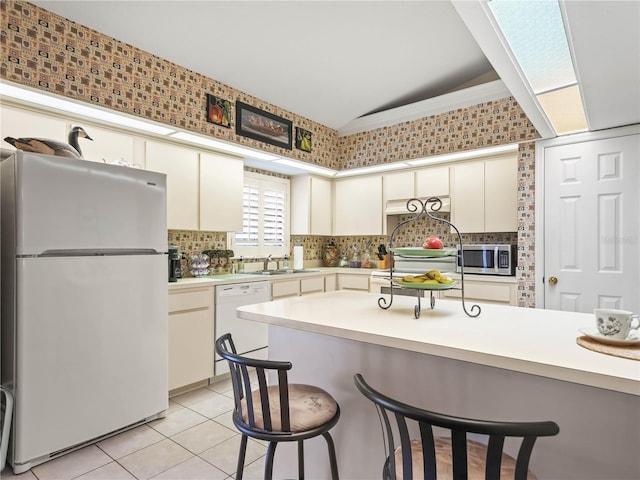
{"x": 196, "y": 440}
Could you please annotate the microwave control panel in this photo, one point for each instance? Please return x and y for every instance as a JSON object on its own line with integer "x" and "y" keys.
{"x": 504, "y": 259}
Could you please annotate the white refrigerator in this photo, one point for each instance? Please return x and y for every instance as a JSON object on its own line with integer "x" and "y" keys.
{"x": 84, "y": 301}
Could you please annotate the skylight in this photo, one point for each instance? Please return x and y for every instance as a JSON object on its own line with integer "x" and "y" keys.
{"x": 535, "y": 33}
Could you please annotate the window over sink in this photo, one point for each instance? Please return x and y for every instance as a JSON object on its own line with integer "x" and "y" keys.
{"x": 265, "y": 222}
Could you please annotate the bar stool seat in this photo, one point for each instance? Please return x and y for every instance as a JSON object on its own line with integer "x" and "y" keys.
{"x": 309, "y": 407}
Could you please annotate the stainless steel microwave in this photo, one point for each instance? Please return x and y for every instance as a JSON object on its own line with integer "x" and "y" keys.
{"x": 489, "y": 259}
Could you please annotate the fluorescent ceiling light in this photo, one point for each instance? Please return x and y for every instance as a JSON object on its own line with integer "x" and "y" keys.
{"x": 224, "y": 146}
{"x": 451, "y": 157}
{"x": 306, "y": 166}
{"x": 373, "y": 169}
{"x": 47, "y": 100}
{"x": 535, "y": 34}
{"x": 564, "y": 109}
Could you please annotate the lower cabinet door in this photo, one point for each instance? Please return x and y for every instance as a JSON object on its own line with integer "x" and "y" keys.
{"x": 190, "y": 347}
{"x": 287, "y": 288}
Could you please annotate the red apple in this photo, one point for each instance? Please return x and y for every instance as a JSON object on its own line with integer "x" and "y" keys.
{"x": 433, "y": 242}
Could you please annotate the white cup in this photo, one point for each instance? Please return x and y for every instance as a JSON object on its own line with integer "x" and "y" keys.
{"x": 615, "y": 323}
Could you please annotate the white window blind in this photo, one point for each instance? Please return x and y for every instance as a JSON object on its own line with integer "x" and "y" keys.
{"x": 265, "y": 226}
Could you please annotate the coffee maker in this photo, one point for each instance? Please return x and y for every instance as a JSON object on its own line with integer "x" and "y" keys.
{"x": 175, "y": 270}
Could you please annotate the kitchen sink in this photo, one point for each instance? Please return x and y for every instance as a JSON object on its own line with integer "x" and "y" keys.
{"x": 278, "y": 272}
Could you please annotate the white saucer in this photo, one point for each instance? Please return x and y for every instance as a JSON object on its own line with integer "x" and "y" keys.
{"x": 593, "y": 333}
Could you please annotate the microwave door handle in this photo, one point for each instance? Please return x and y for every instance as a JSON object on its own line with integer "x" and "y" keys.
{"x": 496, "y": 259}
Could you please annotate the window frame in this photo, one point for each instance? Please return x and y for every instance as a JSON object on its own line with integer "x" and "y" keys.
{"x": 264, "y": 182}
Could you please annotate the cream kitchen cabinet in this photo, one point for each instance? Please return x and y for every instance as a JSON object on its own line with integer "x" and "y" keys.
{"x": 191, "y": 336}
{"x": 353, "y": 281}
{"x": 358, "y": 206}
{"x": 204, "y": 190}
{"x": 398, "y": 185}
{"x": 17, "y": 123}
{"x": 106, "y": 145}
{"x": 311, "y": 205}
{"x": 221, "y": 181}
{"x": 111, "y": 146}
{"x": 285, "y": 288}
{"x": 180, "y": 164}
{"x": 293, "y": 287}
{"x": 503, "y": 293}
{"x": 432, "y": 182}
{"x": 484, "y": 195}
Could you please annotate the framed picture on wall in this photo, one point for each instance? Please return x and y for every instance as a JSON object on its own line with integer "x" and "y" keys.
{"x": 303, "y": 139}
{"x": 264, "y": 126}
{"x": 218, "y": 111}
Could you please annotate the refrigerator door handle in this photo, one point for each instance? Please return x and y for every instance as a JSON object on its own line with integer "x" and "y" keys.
{"x": 99, "y": 252}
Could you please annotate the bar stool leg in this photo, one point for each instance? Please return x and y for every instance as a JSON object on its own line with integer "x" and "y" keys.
{"x": 300, "y": 460}
{"x": 241, "y": 455}
{"x": 332, "y": 456}
{"x": 268, "y": 466}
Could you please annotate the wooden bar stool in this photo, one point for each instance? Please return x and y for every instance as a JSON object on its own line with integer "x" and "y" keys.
{"x": 455, "y": 456}
{"x": 277, "y": 413}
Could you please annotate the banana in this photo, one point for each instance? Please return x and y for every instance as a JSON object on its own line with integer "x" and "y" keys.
{"x": 432, "y": 277}
{"x": 436, "y": 275}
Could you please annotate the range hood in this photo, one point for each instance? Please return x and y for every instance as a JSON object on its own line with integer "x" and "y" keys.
{"x": 399, "y": 207}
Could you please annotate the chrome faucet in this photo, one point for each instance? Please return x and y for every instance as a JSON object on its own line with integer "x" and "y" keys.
{"x": 266, "y": 263}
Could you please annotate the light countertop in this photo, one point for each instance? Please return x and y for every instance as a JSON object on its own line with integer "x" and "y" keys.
{"x": 213, "y": 280}
{"x": 534, "y": 341}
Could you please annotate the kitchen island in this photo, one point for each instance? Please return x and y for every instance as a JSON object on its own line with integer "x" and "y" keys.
{"x": 508, "y": 364}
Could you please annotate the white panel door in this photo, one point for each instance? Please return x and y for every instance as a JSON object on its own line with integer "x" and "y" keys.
{"x": 592, "y": 218}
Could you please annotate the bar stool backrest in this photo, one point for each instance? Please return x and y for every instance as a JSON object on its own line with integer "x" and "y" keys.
{"x": 241, "y": 369}
{"x": 396, "y": 418}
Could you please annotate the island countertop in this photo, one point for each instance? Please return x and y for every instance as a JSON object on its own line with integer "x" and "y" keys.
{"x": 534, "y": 341}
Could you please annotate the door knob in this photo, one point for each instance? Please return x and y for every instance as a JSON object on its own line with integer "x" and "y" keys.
{"x": 553, "y": 280}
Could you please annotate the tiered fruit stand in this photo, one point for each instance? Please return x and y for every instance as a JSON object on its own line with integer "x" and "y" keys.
{"x": 421, "y": 209}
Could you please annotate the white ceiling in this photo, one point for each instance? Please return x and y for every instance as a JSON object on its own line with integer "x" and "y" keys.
{"x": 330, "y": 62}
{"x": 335, "y": 61}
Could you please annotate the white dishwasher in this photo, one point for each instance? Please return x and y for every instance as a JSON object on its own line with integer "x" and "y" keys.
{"x": 249, "y": 337}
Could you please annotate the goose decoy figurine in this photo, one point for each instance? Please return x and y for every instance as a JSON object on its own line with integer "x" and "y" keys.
{"x": 52, "y": 147}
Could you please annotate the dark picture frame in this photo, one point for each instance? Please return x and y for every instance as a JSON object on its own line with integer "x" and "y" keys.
{"x": 303, "y": 139}
{"x": 218, "y": 111}
{"x": 266, "y": 127}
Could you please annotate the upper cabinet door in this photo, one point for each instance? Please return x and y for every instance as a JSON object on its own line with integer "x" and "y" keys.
{"x": 181, "y": 167}
{"x": 311, "y": 205}
{"x": 110, "y": 147}
{"x": 432, "y": 182}
{"x": 484, "y": 195}
{"x": 358, "y": 206}
{"x": 221, "y": 185}
{"x": 18, "y": 123}
{"x": 501, "y": 194}
{"x": 321, "y": 206}
{"x": 467, "y": 197}
{"x": 399, "y": 186}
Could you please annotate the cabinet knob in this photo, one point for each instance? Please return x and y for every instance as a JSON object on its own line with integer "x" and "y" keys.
{"x": 553, "y": 280}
